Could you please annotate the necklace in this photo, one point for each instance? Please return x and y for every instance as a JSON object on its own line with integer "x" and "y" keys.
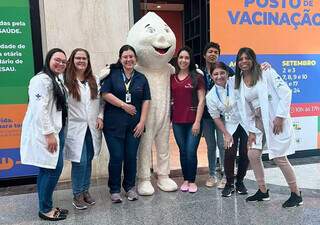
{"x": 247, "y": 80}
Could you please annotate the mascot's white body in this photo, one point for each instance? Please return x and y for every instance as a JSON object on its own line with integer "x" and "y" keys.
{"x": 155, "y": 45}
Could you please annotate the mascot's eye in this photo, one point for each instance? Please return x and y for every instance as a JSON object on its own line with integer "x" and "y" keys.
{"x": 167, "y": 29}
{"x": 151, "y": 30}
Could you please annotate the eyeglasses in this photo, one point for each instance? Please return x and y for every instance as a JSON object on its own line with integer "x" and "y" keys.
{"x": 81, "y": 58}
{"x": 60, "y": 61}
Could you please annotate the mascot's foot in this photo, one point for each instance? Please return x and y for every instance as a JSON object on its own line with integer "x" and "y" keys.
{"x": 145, "y": 188}
{"x": 167, "y": 184}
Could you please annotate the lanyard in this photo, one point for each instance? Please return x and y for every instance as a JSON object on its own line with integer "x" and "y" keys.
{"x": 127, "y": 84}
{"x": 209, "y": 79}
{"x": 63, "y": 89}
{"x": 227, "y": 98}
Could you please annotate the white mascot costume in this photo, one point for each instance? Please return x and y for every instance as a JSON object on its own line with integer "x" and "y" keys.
{"x": 155, "y": 45}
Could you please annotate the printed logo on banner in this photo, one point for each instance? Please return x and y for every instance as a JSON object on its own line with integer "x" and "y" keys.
{"x": 7, "y": 163}
{"x": 10, "y": 165}
{"x": 305, "y": 132}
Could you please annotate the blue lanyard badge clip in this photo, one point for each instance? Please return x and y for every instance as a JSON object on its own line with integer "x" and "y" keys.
{"x": 127, "y": 83}
{"x": 226, "y": 103}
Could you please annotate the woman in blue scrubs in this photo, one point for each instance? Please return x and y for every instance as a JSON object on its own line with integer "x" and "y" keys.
{"x": 127, "y": 97}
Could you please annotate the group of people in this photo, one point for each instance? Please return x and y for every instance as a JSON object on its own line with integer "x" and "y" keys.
{"x": 65, "y": 120}
{"x": 69, "y": 108}
{"x": 252, "y": 111}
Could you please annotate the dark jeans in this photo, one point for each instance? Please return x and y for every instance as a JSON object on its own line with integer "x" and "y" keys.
{"x": 188, "y": 146}
{"x": 48, "y": 178}
{"x": 122, "y": 150}
{"x": 231, "y": 154}
{"x": 81, "y": 172}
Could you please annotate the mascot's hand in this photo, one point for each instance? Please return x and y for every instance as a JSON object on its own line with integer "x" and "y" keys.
{"x": 104, "y": 72}
{"x": 172, "y": 69}
{"x": 198, "y": 70}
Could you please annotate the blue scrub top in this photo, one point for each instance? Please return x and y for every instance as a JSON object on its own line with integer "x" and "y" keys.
{"x": 116, "y": 120}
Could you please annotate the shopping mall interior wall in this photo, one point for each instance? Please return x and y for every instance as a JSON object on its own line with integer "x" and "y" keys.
{"x": 99, "y": 26}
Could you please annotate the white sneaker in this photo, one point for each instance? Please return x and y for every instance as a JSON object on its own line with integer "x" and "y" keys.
{"x": 116, "y": 198}
{"x": 211, "y": 181}
{"x": 132, "y": 195}
{"x": 222, "y": 183}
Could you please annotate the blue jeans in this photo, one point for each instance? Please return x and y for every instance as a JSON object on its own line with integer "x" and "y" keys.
{"x": 81, "y": 172}
{"x": 213, "y": 136}
{"x": 188, "y": 146}
{"x": 122, "y": 151}
{"x": 48, "y": 178}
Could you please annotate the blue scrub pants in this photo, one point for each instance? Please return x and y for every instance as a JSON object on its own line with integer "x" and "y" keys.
{"x": 122, "y": 151}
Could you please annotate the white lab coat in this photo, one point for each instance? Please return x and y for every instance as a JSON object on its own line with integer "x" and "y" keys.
{"x": 83, "y": 114}
{"x": 41, "y": 118}
{"x": 217, "y": 108}
{"x": 275, "y": 99}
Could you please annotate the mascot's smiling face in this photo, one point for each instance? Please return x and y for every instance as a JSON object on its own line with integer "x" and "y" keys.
{"x": 153, "y": 40}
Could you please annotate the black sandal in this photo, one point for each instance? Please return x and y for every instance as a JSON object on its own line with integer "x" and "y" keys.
{"x": 62, "y": 211}
{"x": 56, "y": 216}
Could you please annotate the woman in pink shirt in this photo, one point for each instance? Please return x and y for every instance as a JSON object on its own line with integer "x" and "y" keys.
{"x": 188, "y": 99}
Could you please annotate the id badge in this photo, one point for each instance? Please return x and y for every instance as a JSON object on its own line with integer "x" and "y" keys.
{"x": 128, "y": 98}
{"x": 227, "y": 117}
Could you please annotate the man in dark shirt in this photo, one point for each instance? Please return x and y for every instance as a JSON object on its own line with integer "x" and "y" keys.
{"x": 212, "y": 134}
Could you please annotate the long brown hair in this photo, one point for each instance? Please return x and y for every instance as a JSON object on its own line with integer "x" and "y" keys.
{"x": 71, "y": 76}
{"x": 255, "y": 70}
{"x": 192, "y": 71}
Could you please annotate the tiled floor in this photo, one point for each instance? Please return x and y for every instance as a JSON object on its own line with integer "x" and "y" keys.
{"x": 204, "y": 207}
{"x": 18, "y": 205}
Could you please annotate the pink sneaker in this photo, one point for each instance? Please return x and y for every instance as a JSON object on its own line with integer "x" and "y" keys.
{"x": 185, "y": 186}
{"x": 193, "y": 188}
